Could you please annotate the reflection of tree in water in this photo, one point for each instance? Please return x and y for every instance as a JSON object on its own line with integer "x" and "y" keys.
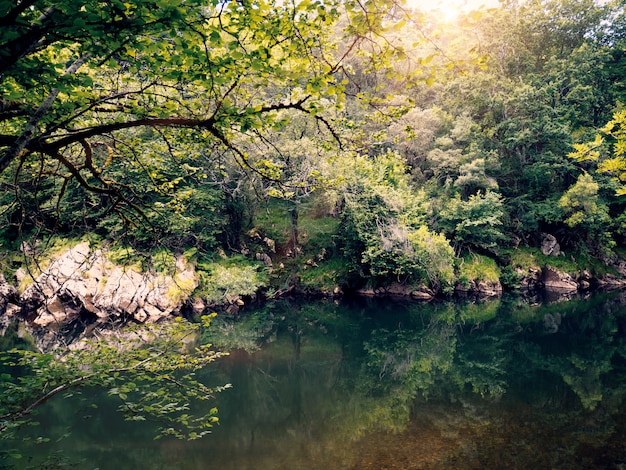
{"x": 383, "y": 385}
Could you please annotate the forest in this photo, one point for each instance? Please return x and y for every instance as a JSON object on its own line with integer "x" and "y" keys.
{"x": 388, "y": 145}
{"x": 321, "y": 148}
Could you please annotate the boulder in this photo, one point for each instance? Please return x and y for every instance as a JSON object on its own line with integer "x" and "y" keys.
{"x": 558, "y": 281}
{"x": 81, "y": 282}
{"x": 549, "y": 245}
{"x": 8, "y": 294}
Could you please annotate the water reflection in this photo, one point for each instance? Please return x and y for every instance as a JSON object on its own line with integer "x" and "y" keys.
{"x": 372, "y": 385}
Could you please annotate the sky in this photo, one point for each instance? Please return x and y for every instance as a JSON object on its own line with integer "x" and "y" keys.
{"x": 451, "y": 7}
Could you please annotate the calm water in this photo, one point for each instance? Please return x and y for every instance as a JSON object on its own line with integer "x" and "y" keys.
{"x": 386, "y": 385}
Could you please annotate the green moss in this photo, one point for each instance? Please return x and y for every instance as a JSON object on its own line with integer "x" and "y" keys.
{"x": 572, "y": 262}
{"x": 326, "y": 276}
{"x": 479, "y": 268}
{"x": 163, "y": 261}
{"x": 125, "y": 256}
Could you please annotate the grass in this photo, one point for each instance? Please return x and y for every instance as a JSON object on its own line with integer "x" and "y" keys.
{"x": 479, "y": 268}
{"x": 326, "y": 276}
{"x": 574, "y": 262}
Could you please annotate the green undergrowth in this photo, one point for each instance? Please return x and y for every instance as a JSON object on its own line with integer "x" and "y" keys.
{"x": 225, "y": 280}
{"x": 571, "y": 262}
{"x": 316, "y": 226}
{"x": 314, "y": 266}
{"x": 475, "y": 267}
{"x": 326, "y": 275}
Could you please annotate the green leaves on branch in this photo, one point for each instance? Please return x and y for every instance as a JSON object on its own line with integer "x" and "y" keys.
{"x": 150, "y": 369}
{"x": 608, "y": 149}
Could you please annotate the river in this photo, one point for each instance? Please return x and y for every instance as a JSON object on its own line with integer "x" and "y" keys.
{"x": 379, "y": 384}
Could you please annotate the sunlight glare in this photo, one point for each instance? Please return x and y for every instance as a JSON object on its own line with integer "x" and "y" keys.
{"x": 450, "y": 9}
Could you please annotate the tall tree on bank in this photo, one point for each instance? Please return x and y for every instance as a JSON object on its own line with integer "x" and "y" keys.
{"x": 79, "y": 84}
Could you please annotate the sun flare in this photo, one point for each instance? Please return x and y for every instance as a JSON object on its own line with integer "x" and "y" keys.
{"x": 449, "y": 10}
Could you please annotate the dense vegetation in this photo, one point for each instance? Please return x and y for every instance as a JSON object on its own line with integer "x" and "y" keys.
{"x": 325, "y": 145}
{"x": 407, "y": 141}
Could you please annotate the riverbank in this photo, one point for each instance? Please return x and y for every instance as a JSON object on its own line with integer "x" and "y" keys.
{"x": 79, "y": 286}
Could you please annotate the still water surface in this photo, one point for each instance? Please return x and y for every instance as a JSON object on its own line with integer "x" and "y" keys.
{"x": 389, "y": 385}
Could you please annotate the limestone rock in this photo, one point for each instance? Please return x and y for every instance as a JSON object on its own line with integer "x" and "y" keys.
{"x": 8, "y": 294}
{"x": 83, "y": 283}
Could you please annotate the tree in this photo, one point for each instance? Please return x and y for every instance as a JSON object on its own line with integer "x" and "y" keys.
{"x": 77, "y": 85}
{"x": 151, "y": 370}
{"x": 474, "y": 223}
{"x": 384, "y": 231}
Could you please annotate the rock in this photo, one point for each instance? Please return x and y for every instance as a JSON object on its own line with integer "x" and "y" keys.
{"x": 555, "y": 280}
{"x": 12, "y": 310}
{"x": 422, "y": 295}
{"x": 549, "y": 245}
{"x": 8, "y": 294}
{"x": 480, "y": 288}
{"x": 265, "y": 259}
{"x": 271, "y": 244}
{"x": 398, "y": 289}
{"x": 83, "y": 284}
{"x": 198, "y": 306}
{"x": 488, "y": 289}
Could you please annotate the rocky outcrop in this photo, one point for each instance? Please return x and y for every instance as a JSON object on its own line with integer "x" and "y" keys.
{"x": 479, "y": 288}
{"x": 555, "y": 280}
{"x": 81, "y": 284}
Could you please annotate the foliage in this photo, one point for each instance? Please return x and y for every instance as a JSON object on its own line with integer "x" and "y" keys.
{"x": 225, "y": 281}
{"x": 152, "y": 114}
{"x": 474, "y": 223}
{"x": 608, "y": 150}
{"x": 150, "y": 369}
{"x": 384, "y": 226}
{"x": 584, "y": 209}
